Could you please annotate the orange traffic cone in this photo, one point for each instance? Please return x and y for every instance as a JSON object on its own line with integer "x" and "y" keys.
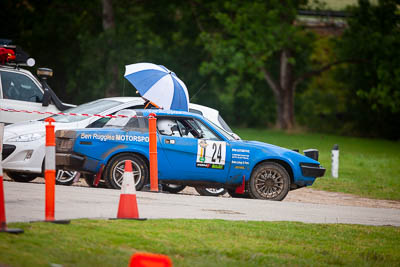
{"x": 128, "y": 208}
{"x": 150, "y": 260}
{"x": 3, "y": 224}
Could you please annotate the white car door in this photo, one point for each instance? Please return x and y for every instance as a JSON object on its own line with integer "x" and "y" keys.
{"x": 20, "y": 92}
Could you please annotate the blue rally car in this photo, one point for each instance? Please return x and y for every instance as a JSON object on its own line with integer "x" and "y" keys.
{"x": 191, "y": 151}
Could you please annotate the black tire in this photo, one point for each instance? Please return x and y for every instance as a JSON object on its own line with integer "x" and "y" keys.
{"x": 269, "y": 181}
{"x": 65, "y": 177}
{"x": 22, "y": 177}
{"x": 115, "y": 169}
{"x": 173, "y": 188}
{"x": 233, "y": 194}
{"x": 210, "y": 192}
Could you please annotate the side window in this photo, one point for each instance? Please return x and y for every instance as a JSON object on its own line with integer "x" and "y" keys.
{"x": 187, "y": 128}
{"x": 205, "y": 132}
{"x": 168, "y": 127}
{"x": 19, "y": 87}
{"x": 98, "y": 123}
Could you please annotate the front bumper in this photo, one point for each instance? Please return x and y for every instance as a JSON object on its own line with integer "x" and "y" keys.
{"x": 24, "y": 156}
{"x": 312, "y": 170}
{"x": 7, "y": 150}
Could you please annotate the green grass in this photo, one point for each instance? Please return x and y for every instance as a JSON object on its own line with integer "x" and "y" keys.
{"x": 201, "y": 243}
{"x": 368, "y": 167}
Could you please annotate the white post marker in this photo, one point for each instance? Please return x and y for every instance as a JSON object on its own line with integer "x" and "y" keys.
{"x": 335, "y": 161}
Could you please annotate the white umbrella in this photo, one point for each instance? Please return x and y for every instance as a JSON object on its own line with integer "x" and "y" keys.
{"x": 159, "y": 85}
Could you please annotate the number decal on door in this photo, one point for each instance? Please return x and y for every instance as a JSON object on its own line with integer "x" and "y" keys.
{"x": 217, "y": 154}
{"x": 211, "y": 154}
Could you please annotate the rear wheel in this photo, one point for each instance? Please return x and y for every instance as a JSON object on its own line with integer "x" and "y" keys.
{"x": 269, "y": 181}
{"x": 22, "y": 177}
{"x": 66, "y": 177}
{"x": 211, "y": 192}
{"x": 173, "y": 188}
{"x": 113, "y": 174}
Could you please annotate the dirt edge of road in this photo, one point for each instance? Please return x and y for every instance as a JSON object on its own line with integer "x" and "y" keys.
{"x": 303, "y": 195}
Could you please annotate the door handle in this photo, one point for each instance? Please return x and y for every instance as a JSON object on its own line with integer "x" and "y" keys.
{"x": 170, "y": 141}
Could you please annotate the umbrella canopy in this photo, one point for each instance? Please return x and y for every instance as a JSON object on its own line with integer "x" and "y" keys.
{"x": 159, "y": 85}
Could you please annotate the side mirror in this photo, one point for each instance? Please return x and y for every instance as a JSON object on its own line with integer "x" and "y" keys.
{"x": 44, "y": 73}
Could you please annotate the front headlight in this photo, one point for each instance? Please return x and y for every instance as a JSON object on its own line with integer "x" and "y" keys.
{"x": 26, "y": 137}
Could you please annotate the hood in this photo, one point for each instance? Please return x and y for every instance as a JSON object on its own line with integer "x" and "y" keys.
{"x": 21, "y": 128}
{"x": 280, "y": 152}
{"x": 35, "y": 126}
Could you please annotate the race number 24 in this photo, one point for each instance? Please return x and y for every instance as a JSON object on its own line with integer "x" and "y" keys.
{"x": 217, "y": 154}
{"x": 211, "y": 152}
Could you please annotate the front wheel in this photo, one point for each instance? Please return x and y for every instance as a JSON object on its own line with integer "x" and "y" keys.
{"x": 22, "y": 177}
{"x": 211, "y": 192}
{"x": 113, "y": 174}
{"x": 269, "y": 181}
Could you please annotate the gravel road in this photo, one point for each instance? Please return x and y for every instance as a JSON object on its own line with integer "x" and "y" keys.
{"x": 25, "y": 202}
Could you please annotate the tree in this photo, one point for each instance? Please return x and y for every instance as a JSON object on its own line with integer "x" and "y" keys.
{"x": 109, "y": 27}
{"x": 373, "y": 37}
{"x": 261, "y": 39}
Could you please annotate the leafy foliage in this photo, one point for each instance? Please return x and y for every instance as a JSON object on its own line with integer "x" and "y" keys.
{"x": 250, "y": 37}
{"x": 220, "y": 49}
{"x": 373, "y": 39}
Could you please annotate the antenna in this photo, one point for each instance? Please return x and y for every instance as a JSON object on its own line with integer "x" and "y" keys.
{"x": 201, "y": 87}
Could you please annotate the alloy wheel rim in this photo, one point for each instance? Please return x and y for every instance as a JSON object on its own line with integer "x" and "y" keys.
{"x": 65, "y": 176}
{"x": 215, "y": 190}
{"x": 269, "y": 183}
{"x": 118, "y": 172}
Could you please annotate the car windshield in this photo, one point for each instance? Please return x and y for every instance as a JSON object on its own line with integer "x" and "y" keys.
{"x": 224, "y": 124}
{"x": 94, "y": 107}
{"x": 221, "y": 131}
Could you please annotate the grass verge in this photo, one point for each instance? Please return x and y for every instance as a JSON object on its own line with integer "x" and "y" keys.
{"x": 368, "y": 167}
{"x": 200, "y": 243}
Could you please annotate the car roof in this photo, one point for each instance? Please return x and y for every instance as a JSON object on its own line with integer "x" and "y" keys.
{"x": 206, "y": 111}
{"x": 162, "y": 112}
{"x": 124, "y": 99}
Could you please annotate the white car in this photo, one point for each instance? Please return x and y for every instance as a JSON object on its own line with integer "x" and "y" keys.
{"x": 20, "y": 90}
{"x": 24, "y": 143}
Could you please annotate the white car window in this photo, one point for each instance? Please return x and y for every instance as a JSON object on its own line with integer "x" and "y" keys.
{"x": 17, "y": 86}
{"x": 94, "y": 107}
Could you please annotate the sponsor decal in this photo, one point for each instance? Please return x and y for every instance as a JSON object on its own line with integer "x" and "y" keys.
{"x": 240, "y": 156}
{"x": 210, "y": 166}
{"x": 114, "y": 137}
{"x": 240, "y": 167}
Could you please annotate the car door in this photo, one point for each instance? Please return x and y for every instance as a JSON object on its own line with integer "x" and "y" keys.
{"x": 20, "y": 92}
{"x": 194, "y": 151}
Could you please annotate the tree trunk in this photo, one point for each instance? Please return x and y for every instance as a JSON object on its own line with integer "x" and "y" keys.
{"x": 283, "y": 91}
{"x": 285, "y": 109}
{"x": 112, "y": 68}
{"x": 285, "y": 101}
